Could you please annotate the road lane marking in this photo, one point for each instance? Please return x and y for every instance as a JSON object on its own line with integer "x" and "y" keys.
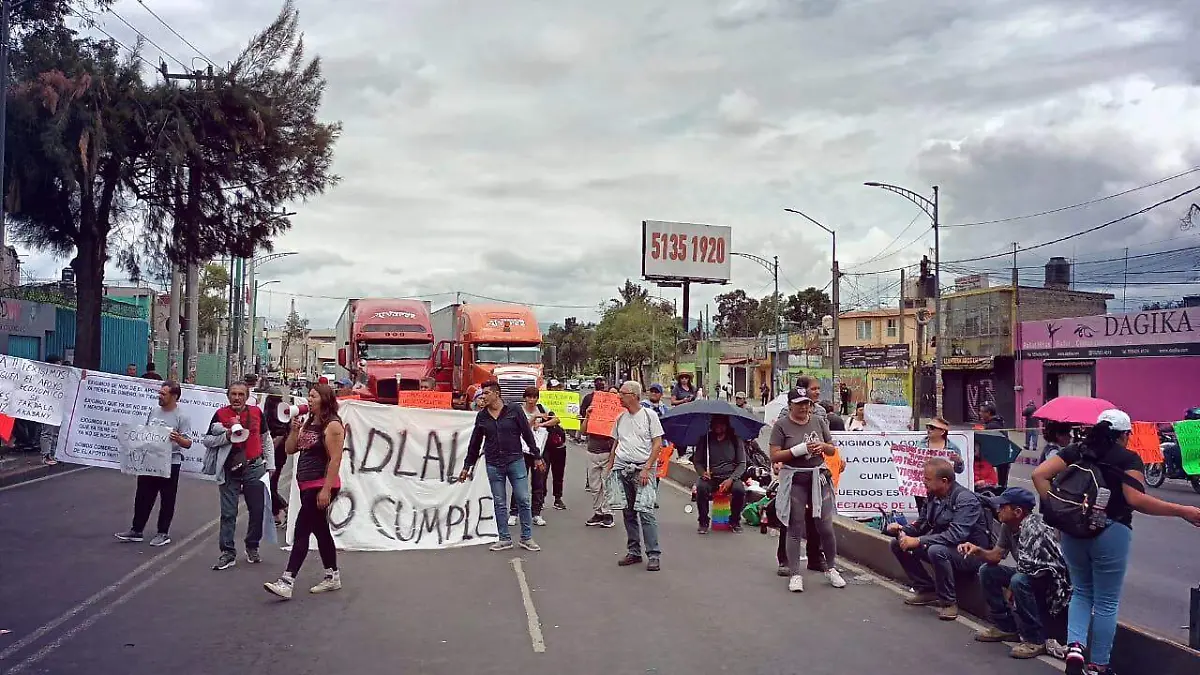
{"x": 103, "y": 593}
{"x": 94, "y": 618}
{"x": 38, "y": 480}
{"x": 535, "y": 624}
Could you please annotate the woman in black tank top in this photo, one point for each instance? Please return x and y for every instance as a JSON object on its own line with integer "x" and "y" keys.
{"x": 319, "y": 441}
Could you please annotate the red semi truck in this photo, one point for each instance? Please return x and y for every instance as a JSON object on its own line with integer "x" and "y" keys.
{"x": 481, "y": 342}
{"x": 385, "y": 344}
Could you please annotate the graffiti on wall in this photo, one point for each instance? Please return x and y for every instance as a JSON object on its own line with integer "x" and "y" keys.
{"x": 979, "y": 391}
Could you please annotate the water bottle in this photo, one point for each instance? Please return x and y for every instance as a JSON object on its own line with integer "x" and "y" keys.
{"x": 1099, "y": 516}
{"x": 898, "y": 516}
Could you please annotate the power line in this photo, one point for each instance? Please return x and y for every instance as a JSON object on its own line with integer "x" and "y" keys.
{"x": 92, "y": 23}
{"x": 168, "y": 26}
{"x": 1079, "y": 205}
{"x": 168, "y": 54}
{"x": 892, "y": 242}
{"x": 432, "y": 295}
{"x": 893, "y": 253}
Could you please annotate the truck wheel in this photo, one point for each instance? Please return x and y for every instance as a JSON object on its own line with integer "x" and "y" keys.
{"x": 1156, "y": 475}
{"x": 1195, "y": 484}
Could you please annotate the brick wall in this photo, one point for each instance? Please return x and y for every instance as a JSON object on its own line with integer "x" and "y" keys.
{"x": 1039, "y": 304}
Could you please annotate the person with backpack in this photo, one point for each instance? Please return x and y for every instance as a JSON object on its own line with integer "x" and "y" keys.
{"x": 539, "y": 418}
{"x": 1089, "y": 492}
{"x": 556, "y": 453}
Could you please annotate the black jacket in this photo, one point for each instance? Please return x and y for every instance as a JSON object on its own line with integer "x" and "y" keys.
{"x": 501, "y": 437}
{"x": 958, "y": 518}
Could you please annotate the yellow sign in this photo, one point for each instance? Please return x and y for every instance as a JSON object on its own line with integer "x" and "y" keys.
{"x": 564, "y": 404}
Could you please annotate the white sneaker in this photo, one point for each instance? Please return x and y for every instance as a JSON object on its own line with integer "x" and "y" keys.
{"x": 331, "y": 582}
{"x": 796, "y": 584}
{"x": 835, "y": 578}
{"x": 512, "y": 520}
{"x": 281, "y": 587}
{"x": 538, "y": 520}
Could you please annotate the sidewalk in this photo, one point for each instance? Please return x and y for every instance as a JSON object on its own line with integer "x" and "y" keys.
{"x": 18, "y": 467}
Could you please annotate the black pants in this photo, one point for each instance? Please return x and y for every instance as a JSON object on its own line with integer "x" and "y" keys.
{"x": 150, "y": 487}
{"x": 312, "y": 520}
{"x": 705, "y": 489}
{"x": 556, "y": 458}
{"x": 278, "y": 503}
{"x": 946, "y": 562}
{"x": 537, "y": 484}
{"x": 812, "y": 545}
{"x": 1002, "y": 475}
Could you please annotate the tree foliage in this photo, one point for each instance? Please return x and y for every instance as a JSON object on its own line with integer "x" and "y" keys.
{"x": 214, "y": 291}
{"x": 807, "y": 307}
{"x": 574, "y": 343}
{"x": 738, "y": 314}
{"x": 639, "y": 333}
{"x": 295, "y": 331}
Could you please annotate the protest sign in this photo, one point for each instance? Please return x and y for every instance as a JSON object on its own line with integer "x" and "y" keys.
{"x": 400, "y": 488}
{"x": 36, "y": 391}
{"x": 879, "y": 470}
{"x": 102, "y": 402}
{"x": 882, "y": 417}
{"x": 565, "y": 405}
{"x": 430, "y": 400}
{"x": 606, "y": 408}
{"x": 145, "y": 450}
{"x": 1188, "y": 434}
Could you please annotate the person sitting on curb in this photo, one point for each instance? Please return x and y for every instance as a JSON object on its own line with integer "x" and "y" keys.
{"x": 951, "y": 516}
{"x": 1038, "y": 583}
{"x": 720, "y": 461}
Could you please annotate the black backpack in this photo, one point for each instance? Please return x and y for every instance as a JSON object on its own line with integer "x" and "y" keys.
{"x": 1069, "y": 504}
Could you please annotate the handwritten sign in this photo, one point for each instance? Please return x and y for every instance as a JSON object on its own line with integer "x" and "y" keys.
{"x": 881, "y": 417}
{"x": 910, "y": 466}
{"x": 145, "y": 449}
{"x": 429, "y": 400}
{"x": 1188, "y": 433}
{"x": 35, "y": 391}
{"x": 564, "y": 405}
{"x": 606, "y": 408}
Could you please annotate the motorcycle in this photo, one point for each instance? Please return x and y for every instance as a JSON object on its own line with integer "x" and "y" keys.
{"x": 1172, "y": 464}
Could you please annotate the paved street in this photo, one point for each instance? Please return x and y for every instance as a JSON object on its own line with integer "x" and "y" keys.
{"x": 77, "y": 601}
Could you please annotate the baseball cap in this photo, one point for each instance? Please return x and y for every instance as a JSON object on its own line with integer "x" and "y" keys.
{"x": 344, "y": 382}
{"x": 1117, "y": 419}
{"x": 656, "y": 387}
{"x": 740, "y": 394}
{"x": 1016, "y": 496}
{"x": 798, "y": 396}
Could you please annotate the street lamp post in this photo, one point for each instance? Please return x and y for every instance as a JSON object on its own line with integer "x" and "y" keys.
{"x": 836, "y": 294}
{"x": 771, "y": 266}
{"x": 930, "y": 207}
{"x": 251, "y": 266}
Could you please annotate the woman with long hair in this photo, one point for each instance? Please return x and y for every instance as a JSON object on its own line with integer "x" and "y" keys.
{"x": 1098, "y": 564}
{"x": 858, "y": 422}
{"x": 319, "y": 440}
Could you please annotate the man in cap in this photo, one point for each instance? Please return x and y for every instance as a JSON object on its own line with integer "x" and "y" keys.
{"x": 598, "y": 447}
{"x": 739, "y": 399}
{"x": 653, "y": 400}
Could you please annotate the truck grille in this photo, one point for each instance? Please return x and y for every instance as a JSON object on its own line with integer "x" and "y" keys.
{"x": 512, "y": 389}
{"x": 386, "y": 388}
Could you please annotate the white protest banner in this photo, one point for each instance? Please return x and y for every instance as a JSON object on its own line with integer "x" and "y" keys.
{"x": 400, "y": 488}
{"x": 36, "y": 391}
{"x": 882, "y": 417}
{"x": 145, "y": 450}
{"x": 873, "y": 478}
{"x": 102, "y": 402}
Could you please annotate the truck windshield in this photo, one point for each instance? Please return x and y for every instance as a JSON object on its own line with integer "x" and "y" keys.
{"x": 507, "y": 354}
{"x": 394, "y": 351}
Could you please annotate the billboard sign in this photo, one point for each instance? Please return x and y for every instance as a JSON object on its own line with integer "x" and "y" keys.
{"x": 887, "y": 356}
{"x": 686, "y": 251}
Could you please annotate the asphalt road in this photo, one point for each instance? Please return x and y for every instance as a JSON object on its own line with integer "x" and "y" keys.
{"x": 77, "y": 601}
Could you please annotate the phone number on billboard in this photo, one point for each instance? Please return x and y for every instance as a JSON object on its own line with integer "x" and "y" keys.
{"x": 667, "y": 246}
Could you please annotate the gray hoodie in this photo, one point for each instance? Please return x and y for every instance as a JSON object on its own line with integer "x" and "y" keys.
{"x": 217, "y": 441}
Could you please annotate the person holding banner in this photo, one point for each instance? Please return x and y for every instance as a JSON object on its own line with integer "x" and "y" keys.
{"x": 598, "y": 449}
{"x": 237, "y": 442}
{"x": 167, "y": 414}
{"x": 319, "y": 440}
{"x": 500, "y": 429}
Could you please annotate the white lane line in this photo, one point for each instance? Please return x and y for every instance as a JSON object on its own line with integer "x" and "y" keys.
{"x": 103, "y": 593}
{"x": 535, "y": 624}
{"x": 38, "y": 480}
{"x": 94, "y": 618}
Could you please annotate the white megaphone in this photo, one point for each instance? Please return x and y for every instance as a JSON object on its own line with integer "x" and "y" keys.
{"x": 239, "y": 434}
{"x": 287, "y": 413}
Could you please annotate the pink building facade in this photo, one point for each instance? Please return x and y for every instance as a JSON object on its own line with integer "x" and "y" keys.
{"x": 1147, "y": 363}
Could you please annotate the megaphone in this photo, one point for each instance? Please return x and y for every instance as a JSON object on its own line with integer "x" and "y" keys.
{"x": 239, "y": 434}
{"x": 287, "y": 413}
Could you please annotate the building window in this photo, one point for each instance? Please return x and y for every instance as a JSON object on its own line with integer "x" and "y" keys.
{"x": 893, "y": 328}
{"x": 864, "y": 330}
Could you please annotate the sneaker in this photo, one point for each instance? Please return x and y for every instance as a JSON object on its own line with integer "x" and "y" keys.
{"x": 796, "y": 584}
{"x": 331, "y": 582}
{"x": 948, "y": 612}
{"x": 49, "y": 461}
{"x": 703, "y": 529}
{"x": 653, "y": 565}
{"x": 502, "y": 545}
{"x": 1027, "y": 650}
{"x": 558, "y": 504}
{"x": 129, "y": 536}
{"x": 228, "y": 559}
{"x": 996, "y": 635}
{"x": 783, "y": 571}
{"x": 835, "y": 578}
{"x": 1056, "y": 649}
{"x": 921, "y": 599}
{"x": 736, "y": 529}
{"x": 160, "y": 539}
{"x": 596, "y": 520}
{"x": 252, "y": 556}
{"x": 609, "y": 521}
{"x": 1076, "y": 661}
{"x": 281, "y": 587}
{"x": 629, "y": 559}
{"x": 538, "y": 520}
{"x": 512, "y": 520}
{"x": 530, "y": 545}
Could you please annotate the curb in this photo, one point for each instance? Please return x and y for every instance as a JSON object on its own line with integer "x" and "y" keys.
{"x": 18, "y": 476}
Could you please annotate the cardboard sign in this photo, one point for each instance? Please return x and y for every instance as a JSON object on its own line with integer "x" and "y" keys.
{"x": 1188, "y": 433}
{"x": 145, "y": 449}
{"x": 882, "y": 417}
{"x": 606, "y": 408}
{"x": 429, "y": 400}
{"x": 564, "y": 405}
{"x": 1144, "y": 441}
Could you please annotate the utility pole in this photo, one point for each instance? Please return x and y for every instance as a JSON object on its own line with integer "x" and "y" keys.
{"x": 778, "y": 328}
{"x": 939, "y": 347}
{"x": 229, "y": 327}
{"x": 1124, "y": 284}
{"x": 251, "y": 292}
{"x": 173, "y": 326}
{"x": 192, "y": 347}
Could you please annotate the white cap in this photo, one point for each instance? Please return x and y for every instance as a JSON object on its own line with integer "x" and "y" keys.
{"x": 1117, "y": 419}
{"x": 553, "y": 382}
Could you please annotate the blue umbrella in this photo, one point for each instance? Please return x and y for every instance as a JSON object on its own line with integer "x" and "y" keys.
{"x": 685, "y": 425}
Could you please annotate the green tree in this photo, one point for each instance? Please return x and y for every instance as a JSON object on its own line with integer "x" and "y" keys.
{"x": 214, "y": 291}
{"x": 738, "y": 314}
{"x": 806, "y": 307}
{"x": 635, "y": 335}
{"x": 573, "y": 342}
{"x": 630, "y": 292}
{"x": 295, "y": 331}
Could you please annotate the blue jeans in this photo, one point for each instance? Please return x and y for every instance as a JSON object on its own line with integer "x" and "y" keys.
{"x": 1028, "y": 620}
{"x": 248, "y": 483}
{"x": 639, "y": 526}
{"x": 1031, "y": 439}
{"x": 1097, "y": 569}
{"x": 515, "y": 473}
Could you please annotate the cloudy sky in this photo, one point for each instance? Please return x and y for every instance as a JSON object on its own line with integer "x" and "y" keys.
{"x": 512, "y": 149}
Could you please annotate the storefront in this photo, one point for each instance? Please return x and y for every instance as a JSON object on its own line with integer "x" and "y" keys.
{"x": 1146, "y": 363}
{"x": 971, "y": 381}
{"x": 24, "y": 327}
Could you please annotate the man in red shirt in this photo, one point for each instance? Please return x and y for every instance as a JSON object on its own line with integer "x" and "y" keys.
{"x": 240, "y": 468}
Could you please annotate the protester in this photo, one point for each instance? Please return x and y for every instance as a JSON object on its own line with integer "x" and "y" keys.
{"x": 739, "y": 400}
{"x": 1039, "y": 583}
{"x": 764, "y": 394}
{"x": 599, "y": 448}
{"x": 427, "y": 384}
{"x": 813, "y": 555}
{"x": 319, "y": 440}
{"x": 279, "y": 433}
{"x": 937, "y": 437}
{"x": 47, "y": 433}
{"x": 683, "y": 391}
{"x": 800, "y": 440}
{"x": 951, "y": 516}
{"x": 984, "y": 473}
{"x": 131, "y": 370}
{"x": 993, "y": 421}
{"x": 240, "y": 468}
{"x": 500, "y": 429}
{"x": 151, "y": 372}
{"x": 836, "y": 423}
{"x": 654, "y": 402}
{"x": 1031, "y": 430}
{"x": 556, "y": 451}
{"x": 1058, "y": 435}
{"x": 859, "y": 422}
{"x": 720, "y": 461}
{"x": 1098, "y": 564}
{"x": 847, "y": 397}
{"x": 149, "y": 488}
{"x": 631, "y": 476}
{"x": 538, "y": 417}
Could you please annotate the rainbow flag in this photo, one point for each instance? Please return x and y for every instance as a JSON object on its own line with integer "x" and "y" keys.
{"x": 721, "y": 508}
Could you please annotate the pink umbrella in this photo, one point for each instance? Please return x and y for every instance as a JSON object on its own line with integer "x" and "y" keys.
{"x": 1073, "y": 409}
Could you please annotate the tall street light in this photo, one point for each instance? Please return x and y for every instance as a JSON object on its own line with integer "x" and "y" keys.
{"x": 771, "y": 266}
{"x": 837, "y": 295}
{"x": 930, "y": 207}
{"x": 251, "y": 267}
